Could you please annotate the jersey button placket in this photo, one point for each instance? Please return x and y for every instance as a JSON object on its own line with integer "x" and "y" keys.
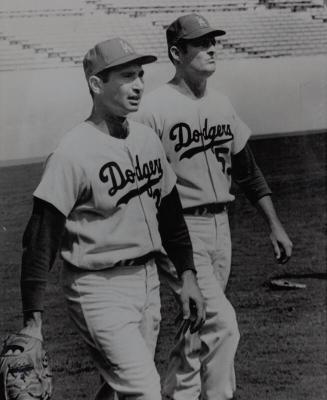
{"x": 205, "y": 155}
{"x": 139, "y": 195}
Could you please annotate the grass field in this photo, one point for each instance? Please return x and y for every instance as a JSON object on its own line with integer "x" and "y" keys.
{"x": 283, "y": 348}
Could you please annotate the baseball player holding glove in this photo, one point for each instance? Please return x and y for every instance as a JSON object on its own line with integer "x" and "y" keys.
{"x": 207, "y": 145}
{"x": 25, "y": 372}
{"x": 108, "y": 200}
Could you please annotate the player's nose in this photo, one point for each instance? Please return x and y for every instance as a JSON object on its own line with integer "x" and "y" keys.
{"x": 211, "y": 50}
{"x": 138, "y": 85}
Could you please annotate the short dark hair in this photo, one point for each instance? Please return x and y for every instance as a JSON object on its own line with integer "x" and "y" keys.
{"x": 181, "y": 44}
{"x": 104, "y": 76}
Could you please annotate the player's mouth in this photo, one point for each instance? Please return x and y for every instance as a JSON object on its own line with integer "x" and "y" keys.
{"x": 134, "y": 100}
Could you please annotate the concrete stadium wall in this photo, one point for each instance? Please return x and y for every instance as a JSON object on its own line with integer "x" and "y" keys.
{"x": 273, "y": 96}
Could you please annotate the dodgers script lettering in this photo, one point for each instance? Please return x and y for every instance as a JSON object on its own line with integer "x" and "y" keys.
{"x": 151, "y": 172}
{"x": 207, "y": 137}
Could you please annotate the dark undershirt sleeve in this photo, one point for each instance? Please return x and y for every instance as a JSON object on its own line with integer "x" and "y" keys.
{"x": 41, "y": 241}
{"x": 174, "y": 233}
{"x": 247, "y": 174}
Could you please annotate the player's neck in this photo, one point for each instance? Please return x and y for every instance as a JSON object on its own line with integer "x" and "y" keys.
{"x": 195, "y": 88}
{"x": 112, "y": 125}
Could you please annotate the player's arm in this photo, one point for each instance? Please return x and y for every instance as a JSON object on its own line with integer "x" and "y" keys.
{"x": 247, "y": 174}
{"x": 280, "y": 241}
{"x": 174, "y": 233}
{"x": 177, "y": 243}
{"x": 41, "y": 241}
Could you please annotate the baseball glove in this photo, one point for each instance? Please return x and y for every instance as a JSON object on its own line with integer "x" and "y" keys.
{"x": 186, "y": 324}
{"x": 24, "y": 369}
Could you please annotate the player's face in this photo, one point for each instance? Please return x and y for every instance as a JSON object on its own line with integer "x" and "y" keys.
{"x": 122, "y": 93}
{"x": 200, "y": 56}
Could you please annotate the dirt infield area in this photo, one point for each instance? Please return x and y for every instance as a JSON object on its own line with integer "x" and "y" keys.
{"x": 283, "y": 349}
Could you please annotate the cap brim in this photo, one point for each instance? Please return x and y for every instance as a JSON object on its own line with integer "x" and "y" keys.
{"x": 130, "y": 58}
{"x": 204, "y": 31}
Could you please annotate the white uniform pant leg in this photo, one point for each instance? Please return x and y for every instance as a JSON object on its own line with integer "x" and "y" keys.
{"x": 151, "y": 318}
{"x": 222, "y": 255}
{"x": 223, "y": 384}
{"x": 107, "y": 308}
{"x": 204, "y": 363}
{"x": 149, "y": 327}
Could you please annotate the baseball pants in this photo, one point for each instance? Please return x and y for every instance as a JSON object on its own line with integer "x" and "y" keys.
{"x": 111, "y": 309}
{"x": 201, "y": 366}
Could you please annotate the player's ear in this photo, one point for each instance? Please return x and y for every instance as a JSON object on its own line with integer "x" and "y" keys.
{"x": 95, "y": 84}
{"x": 175, "y": 53}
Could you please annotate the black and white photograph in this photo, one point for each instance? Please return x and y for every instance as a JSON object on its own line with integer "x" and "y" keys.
{"x": 163, "y": 187}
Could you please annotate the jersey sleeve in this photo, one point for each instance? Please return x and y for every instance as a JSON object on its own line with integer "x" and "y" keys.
{"x": 41, "y": 242}
{"x": 248, "y": 176}
{"x": 174, "y": 233}
{"x": 61, "y": 183}
{"x": 241, "y": 132}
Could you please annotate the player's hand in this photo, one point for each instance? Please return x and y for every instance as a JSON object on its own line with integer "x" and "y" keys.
{"x": 192, "y": 301}
{"x": 33, "y": 325}
{"x": 281, "y": 243}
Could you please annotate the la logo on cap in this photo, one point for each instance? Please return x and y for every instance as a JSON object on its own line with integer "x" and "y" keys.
{"x": 126, "y": 47}
{"x": 202, "y": 22}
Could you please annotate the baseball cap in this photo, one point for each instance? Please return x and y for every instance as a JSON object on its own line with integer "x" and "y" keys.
{"x": 111, "y": 53}
{"x": 190, "y": 26}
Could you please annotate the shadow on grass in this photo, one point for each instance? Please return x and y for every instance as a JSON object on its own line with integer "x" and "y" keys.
{"x": 312, "y": 275}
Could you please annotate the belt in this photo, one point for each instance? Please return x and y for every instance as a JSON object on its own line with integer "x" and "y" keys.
{"x": 210, "y": 208}
{"x": 135, "y": 261}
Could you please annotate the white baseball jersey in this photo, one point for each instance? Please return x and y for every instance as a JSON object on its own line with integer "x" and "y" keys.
{"x": 199, "y": 136}
{"x": 109, "y": 189}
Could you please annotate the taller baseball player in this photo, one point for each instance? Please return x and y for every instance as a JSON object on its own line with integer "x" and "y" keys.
{"x": 108, "y": 199}
{"x": 207, "y": 145}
